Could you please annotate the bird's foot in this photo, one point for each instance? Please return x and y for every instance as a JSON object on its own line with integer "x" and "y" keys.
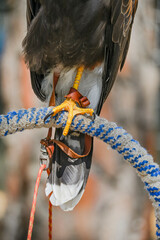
{"x": 70, "y": 105}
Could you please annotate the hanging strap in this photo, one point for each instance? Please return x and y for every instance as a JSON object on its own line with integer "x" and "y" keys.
{"x": 49, "y": 144}
{"x": 71, "y": 153}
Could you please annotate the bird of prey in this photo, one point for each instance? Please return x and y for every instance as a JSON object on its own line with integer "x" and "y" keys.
{"x": 74, "y": 48}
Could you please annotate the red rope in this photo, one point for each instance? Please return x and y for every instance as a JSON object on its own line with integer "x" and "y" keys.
{"x": 31, "y": 221}
{"x": 50, "y": 221}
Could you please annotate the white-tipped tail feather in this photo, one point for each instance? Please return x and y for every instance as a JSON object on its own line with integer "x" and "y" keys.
{"x": 61, "y": 201}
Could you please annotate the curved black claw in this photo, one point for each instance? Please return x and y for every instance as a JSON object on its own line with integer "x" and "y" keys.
{"x": 62, "y": 137}
{"x": 48, "y": 115}
{"x": 93, "y": 116}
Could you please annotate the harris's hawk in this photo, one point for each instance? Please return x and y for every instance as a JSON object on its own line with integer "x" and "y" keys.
{"x": 90, "y": 37}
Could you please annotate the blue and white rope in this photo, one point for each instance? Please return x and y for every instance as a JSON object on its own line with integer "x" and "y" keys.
{"x": 109, "y": 132}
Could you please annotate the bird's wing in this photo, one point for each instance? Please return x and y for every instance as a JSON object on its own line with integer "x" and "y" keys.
{"x": 117, "y": 38}
{"x": 33, "y": 7}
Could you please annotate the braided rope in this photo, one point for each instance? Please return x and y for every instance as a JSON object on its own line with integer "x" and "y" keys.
{"x": 109, "y": 132}
{"x": 31, "y": 221}
{"x": 50, "y": 220}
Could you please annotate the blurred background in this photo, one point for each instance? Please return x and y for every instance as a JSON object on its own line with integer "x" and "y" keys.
{"x": 115, "y": 205}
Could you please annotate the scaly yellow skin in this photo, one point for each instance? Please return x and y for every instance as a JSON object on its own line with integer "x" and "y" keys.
{"x": 70, "y": 105}
{"x": 78, "y": 77}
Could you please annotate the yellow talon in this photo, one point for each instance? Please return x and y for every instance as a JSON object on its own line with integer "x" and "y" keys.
{"x": 70, "y": 106}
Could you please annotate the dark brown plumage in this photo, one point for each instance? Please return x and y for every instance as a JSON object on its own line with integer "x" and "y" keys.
{"x": 78, "y": 32}
{"x": 68, "y": 34}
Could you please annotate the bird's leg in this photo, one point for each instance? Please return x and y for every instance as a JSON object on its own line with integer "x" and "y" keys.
{"x": 70, "y": 104}
{"x": 78, "y": 77}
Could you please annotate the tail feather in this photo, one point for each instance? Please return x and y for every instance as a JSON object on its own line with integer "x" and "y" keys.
{"x": 68, "y": 206}
{"x": 68, "y": 177}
